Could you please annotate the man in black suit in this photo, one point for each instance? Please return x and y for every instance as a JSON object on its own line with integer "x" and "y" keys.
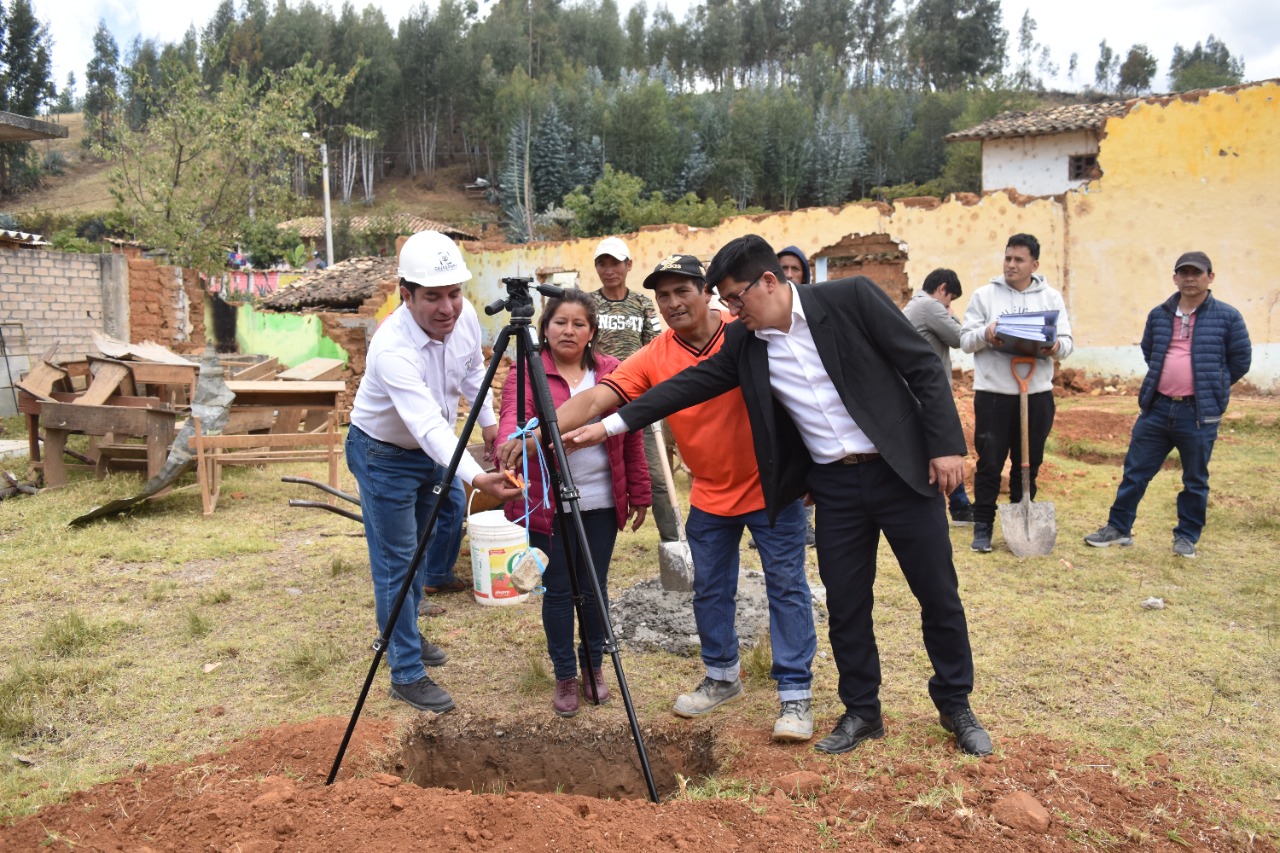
{"x": 848, "y": 404}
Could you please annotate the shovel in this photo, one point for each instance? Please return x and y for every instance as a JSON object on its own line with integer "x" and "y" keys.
{"x": 1030, "y": 529}
{"x": 675, "y": 560}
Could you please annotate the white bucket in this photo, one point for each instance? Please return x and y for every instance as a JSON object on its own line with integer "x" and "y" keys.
{"x": 497, "y": 546}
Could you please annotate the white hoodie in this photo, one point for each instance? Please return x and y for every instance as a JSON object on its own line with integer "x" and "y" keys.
{"x": 991, "y": 368}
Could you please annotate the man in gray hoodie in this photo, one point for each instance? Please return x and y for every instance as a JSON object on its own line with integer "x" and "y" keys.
{"x": 997, "y": 427}
{"x": 930, "y": 312}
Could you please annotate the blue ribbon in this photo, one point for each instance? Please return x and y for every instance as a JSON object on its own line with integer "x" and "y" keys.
{"x": 522, "y": 434}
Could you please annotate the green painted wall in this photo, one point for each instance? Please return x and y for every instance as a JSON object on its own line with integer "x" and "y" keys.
{"x": 292, "y": 338}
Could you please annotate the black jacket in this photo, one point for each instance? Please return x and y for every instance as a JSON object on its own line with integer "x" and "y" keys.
{"x": 888, "y": 377}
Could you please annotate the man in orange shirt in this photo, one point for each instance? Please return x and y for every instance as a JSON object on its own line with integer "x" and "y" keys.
{"x": 726, "y": 498}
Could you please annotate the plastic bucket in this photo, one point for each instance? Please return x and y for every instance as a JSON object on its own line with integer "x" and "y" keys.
{"x": 496, "y": 547}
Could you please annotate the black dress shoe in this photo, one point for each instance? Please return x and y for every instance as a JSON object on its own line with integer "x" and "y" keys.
{"x": 848, "y": 733}
{"x": 971, "y": 737}
{"x": 433, "y": 655}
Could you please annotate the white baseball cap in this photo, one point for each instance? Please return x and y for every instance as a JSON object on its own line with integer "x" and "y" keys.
{"x": 614, "y": 247}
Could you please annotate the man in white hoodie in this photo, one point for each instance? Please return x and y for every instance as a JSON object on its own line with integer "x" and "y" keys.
{"x": 997, "y": 427}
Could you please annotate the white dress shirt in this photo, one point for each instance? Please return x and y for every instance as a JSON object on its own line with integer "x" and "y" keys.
{"x": 409, "y": 393}
{"x": 801, "y": 384}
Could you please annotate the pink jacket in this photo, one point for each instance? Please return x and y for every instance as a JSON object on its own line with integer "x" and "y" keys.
{"x": 626, "y": 451}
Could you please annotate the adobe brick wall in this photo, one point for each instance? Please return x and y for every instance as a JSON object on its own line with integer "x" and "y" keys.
{"x": 877, "y": 257}
{"x": 166, "y": 306}
{"x": 62, "y": 298}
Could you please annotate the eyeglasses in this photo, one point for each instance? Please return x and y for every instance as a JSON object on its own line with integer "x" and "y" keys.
{"x": 1185, "y": 332}
{"x": 735, "y": 301}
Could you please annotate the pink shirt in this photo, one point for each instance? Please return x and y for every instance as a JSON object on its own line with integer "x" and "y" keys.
{"x": 1175, "y": 376}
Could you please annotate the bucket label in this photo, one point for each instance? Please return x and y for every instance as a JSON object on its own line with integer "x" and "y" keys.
{"x": 497, "y": 564}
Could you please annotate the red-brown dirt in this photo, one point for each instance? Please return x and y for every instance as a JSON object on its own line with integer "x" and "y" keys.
{"x": 267, "y": 793}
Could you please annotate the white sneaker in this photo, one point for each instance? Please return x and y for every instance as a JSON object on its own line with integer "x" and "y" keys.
{"x": 707, "y": 696}
{"x": 795, "y": 722}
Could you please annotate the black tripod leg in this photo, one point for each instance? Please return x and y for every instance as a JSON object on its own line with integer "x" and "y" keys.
{"x": 569, "y": 497}
{"x": 577, "y": 596}
{"x": 380, "y": 645}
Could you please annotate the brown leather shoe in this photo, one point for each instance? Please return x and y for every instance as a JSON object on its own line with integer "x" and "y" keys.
{"x": 454, "y": 585}
{"x": 602, "y": 690}
{"x": 565, "y": 702}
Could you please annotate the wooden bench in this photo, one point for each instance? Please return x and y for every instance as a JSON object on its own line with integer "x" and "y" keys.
{"x": 155, "y": 425}
{"x": 215, "y": 451}
{"x": 282, "y": 407}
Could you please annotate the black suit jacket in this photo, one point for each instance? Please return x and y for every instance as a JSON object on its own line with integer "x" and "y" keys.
{"x": 887, "y": 375}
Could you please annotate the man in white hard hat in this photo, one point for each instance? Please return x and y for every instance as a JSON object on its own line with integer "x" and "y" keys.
{"x": 424, "y": 357}
{"x": 628, "y": 320}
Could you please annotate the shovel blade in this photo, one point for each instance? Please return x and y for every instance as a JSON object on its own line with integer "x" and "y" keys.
{"x": 675, "y": 567}
{"x": 1029, "y": 529}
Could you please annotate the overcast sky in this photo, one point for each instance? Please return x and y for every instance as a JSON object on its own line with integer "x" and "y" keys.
{"x": 1249, "y": 28}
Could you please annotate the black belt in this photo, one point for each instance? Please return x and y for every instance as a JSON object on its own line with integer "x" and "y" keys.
{"x": 857, "y": 458}
{"x": 1187, "y": 398}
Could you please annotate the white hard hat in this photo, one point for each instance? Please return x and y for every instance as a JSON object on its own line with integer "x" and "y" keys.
{"x": 614, "y": 247}
{"x": 431, "y": 259}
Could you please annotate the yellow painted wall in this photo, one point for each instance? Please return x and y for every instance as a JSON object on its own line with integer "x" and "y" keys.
{"x": 1201, "y": 173}
{"x": 968, "y": 238}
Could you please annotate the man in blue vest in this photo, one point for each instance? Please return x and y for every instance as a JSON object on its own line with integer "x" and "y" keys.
{"x": 1196, "y": 348}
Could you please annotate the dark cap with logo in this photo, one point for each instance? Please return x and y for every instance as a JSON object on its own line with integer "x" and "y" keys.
{"x": 1199, "y": 260}
{"x": 685, "y": 265}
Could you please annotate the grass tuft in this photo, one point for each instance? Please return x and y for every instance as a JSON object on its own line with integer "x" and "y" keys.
{"x": 313, "y": 660}
{"x": 220, "y": 596}
{"x": 198, "y": 625}
{"x": 535, "y": 678}
{"x": 758, "y": 660}
{"x": 69, "y": 634}
{"x": 341, "y": 566}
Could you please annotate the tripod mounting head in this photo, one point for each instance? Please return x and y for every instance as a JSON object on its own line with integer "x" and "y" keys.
{"x": 519, "y": 299}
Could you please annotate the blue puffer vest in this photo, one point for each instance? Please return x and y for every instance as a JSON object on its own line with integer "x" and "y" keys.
{"x": 1220, "y": 354}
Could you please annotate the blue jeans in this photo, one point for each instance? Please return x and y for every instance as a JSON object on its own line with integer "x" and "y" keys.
{"x": 395, "y": 500}
{"x": 714, "y": 541}
{"x": 1166, "y": 425}
{"x": 601, "y": 526}
{"x": 958, "y": 499}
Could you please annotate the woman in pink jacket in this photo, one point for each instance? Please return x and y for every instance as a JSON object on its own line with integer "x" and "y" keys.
{"x": 612, "y": 482}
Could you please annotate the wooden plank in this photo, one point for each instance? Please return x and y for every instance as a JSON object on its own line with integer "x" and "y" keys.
{"x": 263, "y": 370}
{"x": 155, "y": 373}
{"x": 288, "y": 390}
{"x": 233, "y": 442}
{"x": 110, "y": 376}
{"x": 279, "y": 394}
{"x": 145, "y": 351}
{"x": 287, "y": 420}
{"x": 250, "y": 419}
{"x": 41, "y": 379}
{"x": 317, "y": 420}
{"x": 314, "y": 370}
{"x": 100, "y": 420}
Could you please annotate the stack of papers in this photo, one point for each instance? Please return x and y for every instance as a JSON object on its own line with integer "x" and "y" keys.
{"x": 1028, "y": 333}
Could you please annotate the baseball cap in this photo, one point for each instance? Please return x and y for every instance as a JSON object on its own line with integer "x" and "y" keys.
{"x": 685, "y": 265}
{"x": 614, "y": 247}
{"x": 1199, "y": 260}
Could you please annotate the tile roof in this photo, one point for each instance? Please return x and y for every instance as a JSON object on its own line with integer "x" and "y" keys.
{"x": 403, "y": 223}
{"x": 343, "y": 286}
{"x": 1043, "y": 122}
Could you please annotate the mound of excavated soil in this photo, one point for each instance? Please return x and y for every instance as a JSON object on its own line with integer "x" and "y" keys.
{"x": 267, "y": 793}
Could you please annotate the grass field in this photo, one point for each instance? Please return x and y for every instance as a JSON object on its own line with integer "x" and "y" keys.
{"x": 156, "y": 637}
